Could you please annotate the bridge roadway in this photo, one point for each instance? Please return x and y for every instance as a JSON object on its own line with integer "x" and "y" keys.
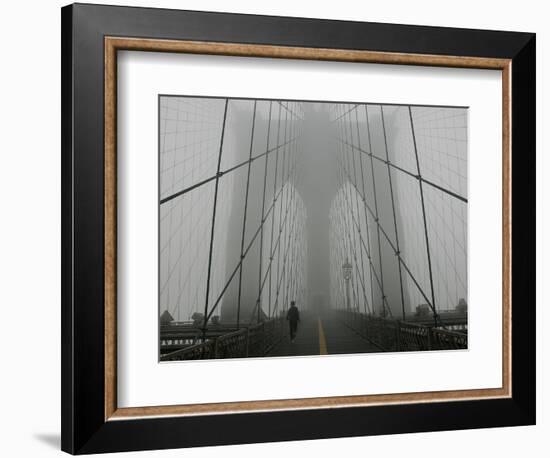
{"x": 322, "y": 334}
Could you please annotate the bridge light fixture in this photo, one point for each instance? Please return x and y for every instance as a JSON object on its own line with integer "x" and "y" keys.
{"x": 347, "y": 268}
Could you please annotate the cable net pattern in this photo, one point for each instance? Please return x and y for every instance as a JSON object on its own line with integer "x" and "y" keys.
{"x": 231, "y": 223}
{"x": 400, "y": 215}
{"x": 233, "y": 234}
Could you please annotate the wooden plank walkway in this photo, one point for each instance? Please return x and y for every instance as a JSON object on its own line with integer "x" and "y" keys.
{"x": 320, "y": 334}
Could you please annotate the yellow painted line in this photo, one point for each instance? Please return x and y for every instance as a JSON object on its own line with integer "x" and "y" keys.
{"x": 322, "y": 341}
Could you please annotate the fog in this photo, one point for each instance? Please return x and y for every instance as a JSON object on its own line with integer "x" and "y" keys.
{"x": 303, "y": 188}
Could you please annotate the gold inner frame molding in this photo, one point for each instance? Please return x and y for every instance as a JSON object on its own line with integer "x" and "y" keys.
{"x": 114, "y": 44}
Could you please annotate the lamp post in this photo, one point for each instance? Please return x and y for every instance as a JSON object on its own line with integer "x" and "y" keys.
{"x": 347, "y": 267}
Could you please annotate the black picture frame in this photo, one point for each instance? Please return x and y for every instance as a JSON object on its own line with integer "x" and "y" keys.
{"x": 84, "y": 427}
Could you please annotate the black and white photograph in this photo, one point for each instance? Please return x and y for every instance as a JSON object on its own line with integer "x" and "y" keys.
{"x": 299, "y": 228}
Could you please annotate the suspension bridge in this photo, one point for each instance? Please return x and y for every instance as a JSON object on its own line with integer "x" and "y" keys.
{"x": 355, "y": 211}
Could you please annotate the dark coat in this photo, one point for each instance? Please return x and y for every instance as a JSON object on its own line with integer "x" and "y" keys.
{"x": 293, "y": 314}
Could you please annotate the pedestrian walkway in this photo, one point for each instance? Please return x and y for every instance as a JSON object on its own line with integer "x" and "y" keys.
{"x": 320, "y": 334}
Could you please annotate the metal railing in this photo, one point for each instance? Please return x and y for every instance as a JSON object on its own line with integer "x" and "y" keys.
{"x": 253, "y": 341}
{"x": 396, "y": 335}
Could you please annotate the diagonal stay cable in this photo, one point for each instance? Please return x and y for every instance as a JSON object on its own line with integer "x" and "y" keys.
{"x": 411, "y": 174}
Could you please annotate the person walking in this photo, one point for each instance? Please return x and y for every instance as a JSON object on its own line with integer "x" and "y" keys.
{"x": 293, "y": 316}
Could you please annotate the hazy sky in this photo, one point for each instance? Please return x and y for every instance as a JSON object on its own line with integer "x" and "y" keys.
{"x": 342, "y": 204}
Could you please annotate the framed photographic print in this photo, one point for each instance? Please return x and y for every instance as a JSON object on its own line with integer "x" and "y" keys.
{"x": 272, "y": 221}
